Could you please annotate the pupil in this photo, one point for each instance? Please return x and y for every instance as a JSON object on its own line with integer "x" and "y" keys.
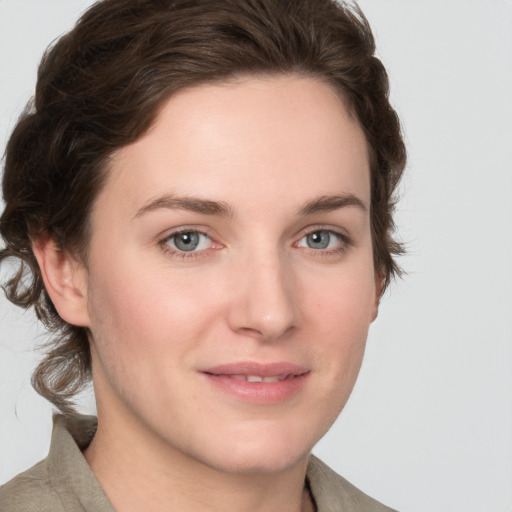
{"x": 318, "y": 240}
{"x": 186, "y": 241}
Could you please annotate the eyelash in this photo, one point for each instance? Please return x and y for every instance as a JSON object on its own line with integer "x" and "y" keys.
{"x": 344, "y": 243}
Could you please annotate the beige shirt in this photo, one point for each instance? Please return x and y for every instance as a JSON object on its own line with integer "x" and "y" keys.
{"x": 64, "y": 482}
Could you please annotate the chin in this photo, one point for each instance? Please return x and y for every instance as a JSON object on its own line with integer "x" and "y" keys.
{"x": 260, "y": 450}
{"x": 260, "y": 463}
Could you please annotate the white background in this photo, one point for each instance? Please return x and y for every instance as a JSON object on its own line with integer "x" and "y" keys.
{"x": 429, "y": 426}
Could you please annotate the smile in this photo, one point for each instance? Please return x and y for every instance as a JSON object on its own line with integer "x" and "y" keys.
{"x": 259, "y": 383}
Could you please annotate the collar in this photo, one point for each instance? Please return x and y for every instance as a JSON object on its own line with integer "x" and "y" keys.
{"x": 69, "y": 473}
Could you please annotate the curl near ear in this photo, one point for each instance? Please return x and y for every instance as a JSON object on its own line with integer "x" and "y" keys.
{"x": 65, "y": 280}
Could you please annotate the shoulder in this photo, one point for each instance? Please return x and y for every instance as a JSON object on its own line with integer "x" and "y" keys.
{"x": 30, "y": 491}
{"x": 333, "y": 493}
{"x": 63, "y": 482}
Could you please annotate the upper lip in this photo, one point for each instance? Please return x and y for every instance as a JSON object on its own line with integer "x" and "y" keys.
{"x": 259, "y": 369}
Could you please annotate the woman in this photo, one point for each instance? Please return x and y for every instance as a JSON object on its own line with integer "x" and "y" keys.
{"x": 203, "y": 193}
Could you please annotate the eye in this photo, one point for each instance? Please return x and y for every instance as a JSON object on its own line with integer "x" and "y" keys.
{"x": 188, "y": 241}
{"x": 323, "y": 239}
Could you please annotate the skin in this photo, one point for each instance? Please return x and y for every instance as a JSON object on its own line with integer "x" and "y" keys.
{"x": 254, "y": 290}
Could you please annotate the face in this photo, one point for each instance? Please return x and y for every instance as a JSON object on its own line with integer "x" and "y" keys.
{"x": 230, "y": 282}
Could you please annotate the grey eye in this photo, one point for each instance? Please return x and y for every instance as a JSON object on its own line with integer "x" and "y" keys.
{"x": 319, "y": 239}
{"x": 187, "y": 241}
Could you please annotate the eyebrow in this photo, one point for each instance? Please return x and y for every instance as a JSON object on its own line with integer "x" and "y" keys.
{"x": 190, "y": 203}
{"x": 330, "y": 203}
{"x": 220, "y": 208}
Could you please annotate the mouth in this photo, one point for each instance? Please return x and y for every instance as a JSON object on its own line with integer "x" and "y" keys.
{"x": 259, "y": 383}
{"x": 259, "y": 378}
{"x": 258, "y": 372}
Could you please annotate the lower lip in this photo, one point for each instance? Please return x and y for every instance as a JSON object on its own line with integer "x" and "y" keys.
{"x": 259, "y": 392}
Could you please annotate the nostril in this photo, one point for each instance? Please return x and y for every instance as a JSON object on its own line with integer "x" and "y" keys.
{"x": 266, "y": 333}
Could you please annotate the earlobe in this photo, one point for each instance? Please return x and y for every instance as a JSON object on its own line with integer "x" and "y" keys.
{"x": 65, "y": 280}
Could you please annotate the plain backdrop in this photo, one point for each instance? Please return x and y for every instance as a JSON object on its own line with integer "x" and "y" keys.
{"x": 429, "y": 425}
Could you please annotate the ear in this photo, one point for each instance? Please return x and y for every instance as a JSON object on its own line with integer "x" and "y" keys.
{"x": 65, "y": 280}
{"x": 378, "y": 291}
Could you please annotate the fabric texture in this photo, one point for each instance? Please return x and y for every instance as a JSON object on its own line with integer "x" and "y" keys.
{"x": 64, "y": 482}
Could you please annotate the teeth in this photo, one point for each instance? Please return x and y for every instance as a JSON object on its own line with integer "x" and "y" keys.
{"x": 257, "y": 378}
{"x": 272, "y": 379}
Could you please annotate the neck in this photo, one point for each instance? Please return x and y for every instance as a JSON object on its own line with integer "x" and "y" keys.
{"x": 151, "y": 476}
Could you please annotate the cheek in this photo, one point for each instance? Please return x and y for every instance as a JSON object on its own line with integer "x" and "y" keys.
{"x": 141, "y": 335}
{"x": 144, "y": 319}
{"x": 341, "y": 313}
{"x": 135, "y": 299}
{"x": 344, "y": 305}
{"x": 342, "y": 333}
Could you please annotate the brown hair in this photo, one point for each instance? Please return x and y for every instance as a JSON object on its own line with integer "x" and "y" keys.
{"x": 100, "y": 87}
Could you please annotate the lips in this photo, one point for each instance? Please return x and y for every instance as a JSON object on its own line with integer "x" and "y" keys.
{"x": 258, "y": 372}
{"x": 258, "y": 383}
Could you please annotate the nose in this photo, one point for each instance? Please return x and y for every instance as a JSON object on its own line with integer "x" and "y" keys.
{"x": 264, "y": 301}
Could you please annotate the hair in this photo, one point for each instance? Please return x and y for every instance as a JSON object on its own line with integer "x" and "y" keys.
{"x": 100, "y": 87}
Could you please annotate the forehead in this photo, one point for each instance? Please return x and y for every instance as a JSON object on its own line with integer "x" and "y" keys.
{"x": 251, "y": 137}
